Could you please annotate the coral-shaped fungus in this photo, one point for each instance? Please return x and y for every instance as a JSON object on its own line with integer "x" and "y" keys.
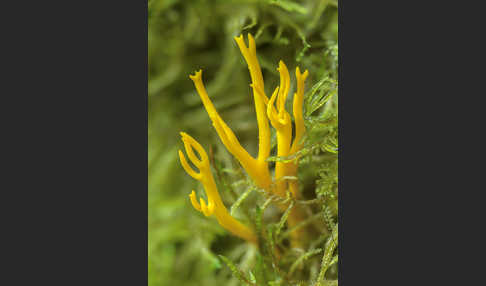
{"x": 257, "y": 168}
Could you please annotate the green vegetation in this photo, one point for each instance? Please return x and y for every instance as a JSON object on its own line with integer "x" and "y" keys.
{"x": 185, "y": 247}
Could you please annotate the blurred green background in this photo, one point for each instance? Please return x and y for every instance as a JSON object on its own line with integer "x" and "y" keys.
{"x": 185, "y": 36}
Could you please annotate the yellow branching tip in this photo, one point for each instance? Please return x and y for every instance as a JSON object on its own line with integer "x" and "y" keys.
{"x": 279, "y": 117}
{"x": 276, "y": 118}
{"x": 188, "y": 168}
{"x": 284, "y": 87}
{"x": 298, "y": 109}
{"x": 197, "y": 75}
{"x": 251, "y": 42}
{"x": 194, "y": 202}
{"x": 190, "y": 143}
{"x": 214, "y": 203}
{"x": 301, "y": 76}
{"x": 206, "y": 210}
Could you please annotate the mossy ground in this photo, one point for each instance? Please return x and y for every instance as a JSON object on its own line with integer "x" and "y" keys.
{"x": 185, "y": 247}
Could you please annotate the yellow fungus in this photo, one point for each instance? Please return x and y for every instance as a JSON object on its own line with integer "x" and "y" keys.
{"x": 299, "y": 127}
{"x": 280, "y": 120}
{"x": 215, "y": 204}
{"x": 272, "y": 109}
{"x": 257, "y": 168}
{"x": 298, "y": 109}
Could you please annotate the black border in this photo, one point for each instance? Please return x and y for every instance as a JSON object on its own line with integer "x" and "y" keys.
{"x": 341, "y": 143}
{"x": 406, "y": 102}
{"x": 75, "y": 160}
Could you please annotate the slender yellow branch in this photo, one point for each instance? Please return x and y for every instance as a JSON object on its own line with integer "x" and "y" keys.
{"x": 299, "y": 128}
{"x": 280, "y": 120}
{"x": 249, "y": 53}
{"x": 298, "y": 109}
{"x": 215, "y": 204}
